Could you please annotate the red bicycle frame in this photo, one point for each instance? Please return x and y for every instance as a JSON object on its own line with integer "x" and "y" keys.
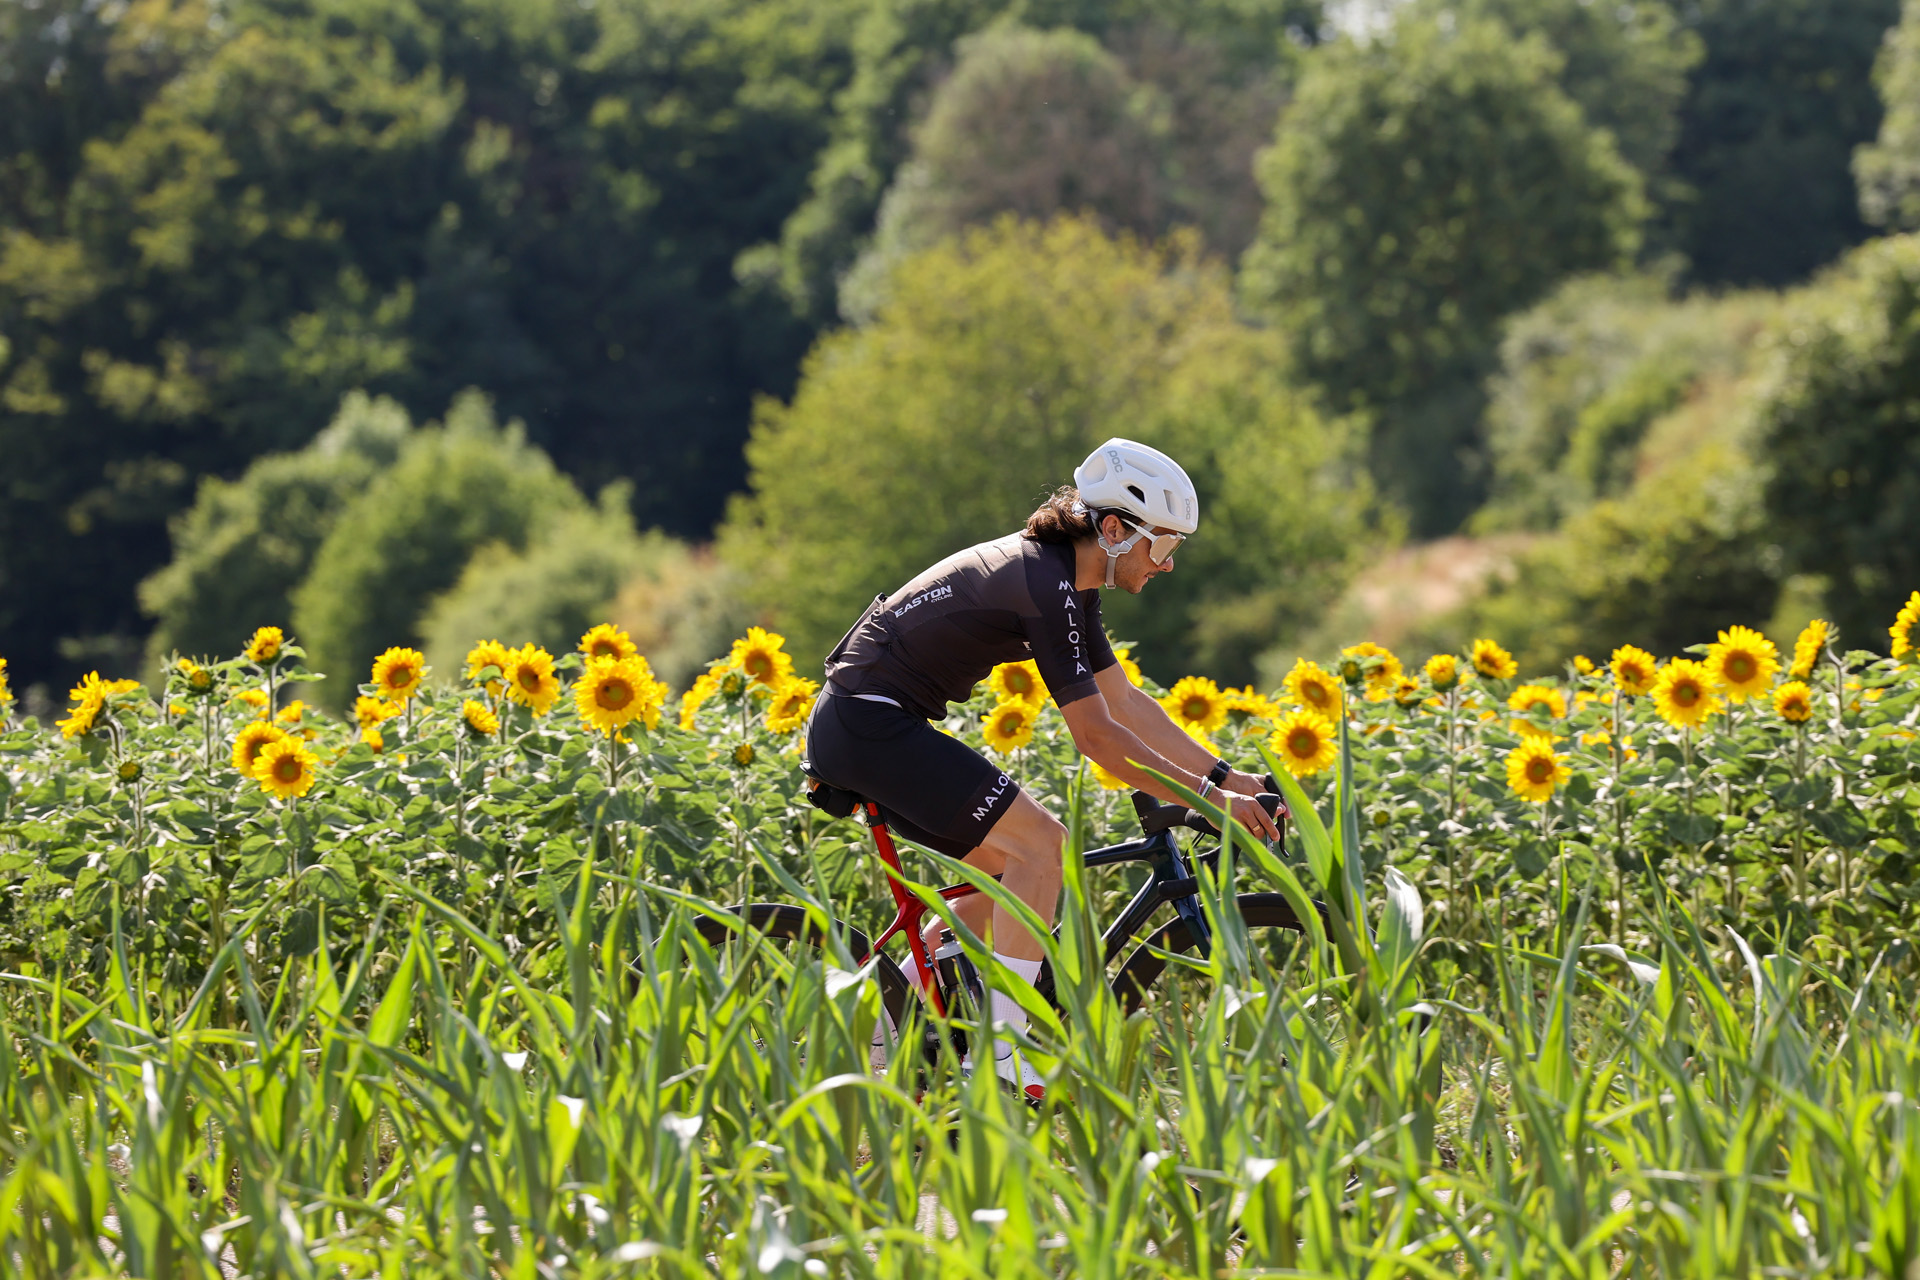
{"x": 911, "y": 911}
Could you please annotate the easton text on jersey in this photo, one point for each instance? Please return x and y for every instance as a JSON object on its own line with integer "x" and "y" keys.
{"x": 940, "y": 592}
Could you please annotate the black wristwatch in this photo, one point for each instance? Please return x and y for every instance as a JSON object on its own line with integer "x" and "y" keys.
{"x": 1220, "y": 772}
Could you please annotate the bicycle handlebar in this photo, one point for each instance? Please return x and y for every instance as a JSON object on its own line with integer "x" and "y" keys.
{"x": 1156, "y": 817}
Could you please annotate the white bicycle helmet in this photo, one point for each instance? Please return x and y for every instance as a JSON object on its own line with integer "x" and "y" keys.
{"x": 1139, "y": 482}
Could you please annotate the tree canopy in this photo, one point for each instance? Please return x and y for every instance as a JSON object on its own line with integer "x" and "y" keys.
{"x": 998, "y": 361}
{"x": 1423, "y": 187}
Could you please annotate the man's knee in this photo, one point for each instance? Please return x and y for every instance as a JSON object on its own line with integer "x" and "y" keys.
{"x": 1036, "y": 839}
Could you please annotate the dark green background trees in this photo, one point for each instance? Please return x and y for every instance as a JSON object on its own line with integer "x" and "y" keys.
{"x": 622, "y": 222}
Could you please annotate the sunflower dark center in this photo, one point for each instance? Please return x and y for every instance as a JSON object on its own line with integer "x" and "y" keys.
{"x": 1686, "y": 693}
{"x": 287, "y": 769}
{"x": 1539, "y": 770}
{"x": 1304, "y": 743}
{"x": 614, "y": 694}
{"x": 1742, "y": 667}
{"x": 1195, "y": 708}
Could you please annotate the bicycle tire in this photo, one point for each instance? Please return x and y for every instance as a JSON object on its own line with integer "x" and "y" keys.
{"x": 783, "y": 920}
{"x": 1143, "y": 967}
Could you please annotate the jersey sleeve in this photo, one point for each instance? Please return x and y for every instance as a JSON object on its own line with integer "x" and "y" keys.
{"x": 1066, "y": 637}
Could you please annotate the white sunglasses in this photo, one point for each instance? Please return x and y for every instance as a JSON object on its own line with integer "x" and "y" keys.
{"x": 1160, "y": 546}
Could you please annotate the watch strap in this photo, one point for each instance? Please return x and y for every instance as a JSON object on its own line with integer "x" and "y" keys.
{"x": 1220, "y": 772}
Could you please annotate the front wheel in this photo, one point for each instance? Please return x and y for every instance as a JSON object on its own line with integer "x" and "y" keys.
{"x": 1143, "y": 968}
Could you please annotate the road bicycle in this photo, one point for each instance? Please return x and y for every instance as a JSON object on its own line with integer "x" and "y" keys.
{"x": 949, "y": 978}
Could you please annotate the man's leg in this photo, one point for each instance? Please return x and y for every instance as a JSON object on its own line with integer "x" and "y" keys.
{"x": 1024, "y": 848}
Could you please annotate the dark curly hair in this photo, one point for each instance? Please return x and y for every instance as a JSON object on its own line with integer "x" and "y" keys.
{"x": 1061, "y": 518}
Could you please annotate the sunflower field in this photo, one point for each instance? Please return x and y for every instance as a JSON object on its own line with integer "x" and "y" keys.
{"x": 1616, "y": 976}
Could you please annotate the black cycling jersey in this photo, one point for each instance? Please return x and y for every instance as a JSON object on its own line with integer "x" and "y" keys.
{"x": 933, "y": 640}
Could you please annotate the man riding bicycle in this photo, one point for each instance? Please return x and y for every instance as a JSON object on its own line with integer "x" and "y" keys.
{"x": 1033, "y": 594}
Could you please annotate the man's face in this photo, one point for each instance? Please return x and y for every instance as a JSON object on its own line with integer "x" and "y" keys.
{"x": 1136, "y": 567}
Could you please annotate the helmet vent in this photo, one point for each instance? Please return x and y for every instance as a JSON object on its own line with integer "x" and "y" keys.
{"x": 1134, "y": 489}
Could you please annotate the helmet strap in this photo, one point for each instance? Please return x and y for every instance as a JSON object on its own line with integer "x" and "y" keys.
{"x": 1115, "y": 550}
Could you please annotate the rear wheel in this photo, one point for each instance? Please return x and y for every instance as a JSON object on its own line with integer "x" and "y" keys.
{"x": 802, "y": 942}
{"x": 1144, "y": 967}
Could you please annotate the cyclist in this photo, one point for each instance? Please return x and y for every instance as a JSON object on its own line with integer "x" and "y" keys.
{"x": 1035, "y": 593}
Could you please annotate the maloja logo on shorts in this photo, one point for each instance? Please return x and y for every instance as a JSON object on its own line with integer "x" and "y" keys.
{"x": 993, "y": 797}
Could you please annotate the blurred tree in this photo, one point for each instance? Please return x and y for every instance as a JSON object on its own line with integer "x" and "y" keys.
{"x": 1625, "y": 64}
{"x": 549, "y": 592}
{"x": 902, "y": 50}
{"x": 1888, "y": 169}
{"x": 213, "y": 222}
{"x": 1663, "y": 567}
{"x": 407, "y": 537}
{"x": 1775, "y": 109}
{"x": 1422, "y": 187}
{"x": 998, "y": 361}
{"x": 1840, "y": 431}
{"x": 244, "y": 545}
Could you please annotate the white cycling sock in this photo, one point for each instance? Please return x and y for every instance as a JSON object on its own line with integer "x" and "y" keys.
{"x": 1004, "y": 1007}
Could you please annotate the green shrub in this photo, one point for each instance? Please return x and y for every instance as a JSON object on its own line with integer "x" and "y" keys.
{"x": 1839, "y": 428}
{"x": 244, "y": 545}
{"x": 999, "y": 361}
{"x": 408, "y": 536}
{"x": 1668, "y": 565}
{"x": 549, "y": 593}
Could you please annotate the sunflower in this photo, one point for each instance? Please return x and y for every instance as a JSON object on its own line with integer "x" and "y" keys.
{"x": 1313, "y": 687}
{"x": 1583, "y": 664}
{"x": 255, "y": 698}
{"x": 743, "y": 754}
{"x": 1196, "y": 702}
{"x": 611, "y": 692}
{"x": 251, "y": 741}
{"x": 1808, "y": 648}
{"x": 89, "y": 699}
{"x": 1533, "y": 770}
{"x": 1021, "y": 680}
{"x": 1304, "y": 741}
{"x": 291, "y": 713}
{"x": 530, "y": 678}
{"x": 1683, "y": 693}
{"x": 375, "y": 740}
{"x": 128, "y": 771}
{"x": 1742, "y": 663}
{"x": 1009, "y": 726}
{"x": 488, "y": 653}
{"x": 285, "y": 768}
{"x": 1493, "y": 662}
{"x": 1124, "y": 656}
{"x": 608, "y": 641}
{"x": 1443, "y": 671}
{"x": 1378, "y": 667}
{"x": 1793, "y": 701}
{"x": 6, "y": 694}
{"x": 1108, "y": 780}
{"x": 397, "y": 673}
{"x": 1634, "y": 670}
{"x": 197, "y": 678}
{"x": 703, "y": 688}
{"x": 1407, "y": 693}
{"x": 1902, "y": 628}
{"x": 1529, "y": 696}
{"x": 481, "y": 721}
{"x": 791, "y": 702}
{"x": 1245, "y": 709}
{"x": 763, "y": 656}
{"x": 264, "y": 648}
{"x": 369, "y": 711}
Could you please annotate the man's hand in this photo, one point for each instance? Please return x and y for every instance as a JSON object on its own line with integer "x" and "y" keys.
{"x": 1244, "y": 784}
{"x": 1248, "y": 813}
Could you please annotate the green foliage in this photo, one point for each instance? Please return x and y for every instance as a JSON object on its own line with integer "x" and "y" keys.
{"x": 563, "y": 582}
{"x": 904, "y": 45}
{"x": 1837, "y": 430}
{"x": 1773, "y": 114}
{"x": 999, "y": 361}
{"x": 1888, "y": 168}
{"x": 1421, "y": 188}
{"x": 1625, "y": 64}
{"x": 1668, "y": 565}
{"x": 1583, "y": 376}
{"x": 212, "y": 224}
{"x": 407, "y": 537}
{"x": 244, "y": 546}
